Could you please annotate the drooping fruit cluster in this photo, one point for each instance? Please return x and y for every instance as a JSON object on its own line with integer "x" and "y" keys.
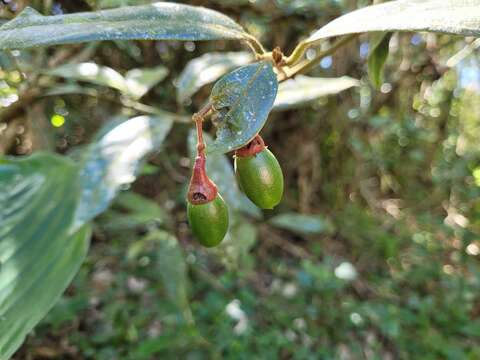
{"x": 259, "y": 176}
{"x": 206, "y": 209}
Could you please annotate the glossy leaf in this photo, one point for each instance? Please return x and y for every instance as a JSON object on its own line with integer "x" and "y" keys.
{"x": 158, "y": 21}
{"x": 220, "y": 170}
{"x": 39, "y": 254}
{"x": 379, "y": 44}
{"x": 136, "y": 83}
{"x": 302, "y": 224}
{"x": 206, "y": 69}
{"x": 296, "y": 92}
{"x": 243, "y": 99}
{"x": 113, "y": 159}
{"x": 459, "y": 17}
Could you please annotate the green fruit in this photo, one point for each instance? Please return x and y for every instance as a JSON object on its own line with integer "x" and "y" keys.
{"x": 209, "y": 221}
{"x": 260, "y": 177}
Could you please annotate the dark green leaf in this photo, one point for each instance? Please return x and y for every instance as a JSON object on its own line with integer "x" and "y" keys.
{"x": 243, "y": 99}
{"x": 206, "y": 69}
{"x": 379, "y": 43}
{"x": 460, "y": 17}
{"x": 39, "y": 254}
{"x": 303, "y": 89}
{"x": 113, "y": 160}
{"x": 158, "y": 21}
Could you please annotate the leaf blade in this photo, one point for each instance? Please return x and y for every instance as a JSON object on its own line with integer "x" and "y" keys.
{"x": 158, "y": 21}
{"x": 243, "y": 99}
{"x": 458, "y": 17}
{"x": 206, "y": 69}
{"x": 303, "y": 89}
{"x": 113, "y": 161}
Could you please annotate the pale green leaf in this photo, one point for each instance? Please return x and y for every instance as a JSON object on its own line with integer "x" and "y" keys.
{"x": 136, "y": 83}
{"x": 243, "y": 99}
{"x": 302, "y": 224}
{"x": 458, "y": 17}
{"x": 39, "y": 255}
{"x": 158, "y": 21}
{"x": 206, "y": 69}
{"x": 113, "y": 159}
{"x": 93, "y": 73}
{"x": 303, "y": 89}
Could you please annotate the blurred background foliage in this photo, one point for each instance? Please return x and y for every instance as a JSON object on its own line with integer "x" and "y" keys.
{"x": 373, "y": 253}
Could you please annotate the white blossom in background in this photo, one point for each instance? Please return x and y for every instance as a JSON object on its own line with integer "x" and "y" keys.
{"x": 346, "y": 271}
{"x": 234, "y": 310}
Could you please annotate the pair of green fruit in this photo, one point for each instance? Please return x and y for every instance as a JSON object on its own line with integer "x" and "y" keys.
{"x": 259, "y": 176}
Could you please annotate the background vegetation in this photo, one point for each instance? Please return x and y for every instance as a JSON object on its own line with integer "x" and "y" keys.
{"x": 373, "y": 253}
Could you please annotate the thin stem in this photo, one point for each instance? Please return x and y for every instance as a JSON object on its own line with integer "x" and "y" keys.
{"x": 255, "y": 45}
{"x": 307, "y": 65}
{"x": 200, "y": 142}
{"x": 198, "y": 118}
{"x": 297, "y": 53}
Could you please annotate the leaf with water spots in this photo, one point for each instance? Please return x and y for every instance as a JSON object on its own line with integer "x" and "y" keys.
{"x": 243, "y": 99}
{"x": 157, "y": 21}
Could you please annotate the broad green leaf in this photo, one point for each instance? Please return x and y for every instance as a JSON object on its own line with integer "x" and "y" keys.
{"x": 459, "y": 17}
{"x": 220, "y": 170}
{"x": 302, "y": 224}
{"x": 296, "y": 92}
{"x": 243, "y": 99}
{"x": 39, "y": 254}
{"x": 379, "y": 43}
{"x": 113, "y": 159}
{"x": 136, "y": 83}
{"x": 158, "y": 21}
{"x": 206, "y": 69}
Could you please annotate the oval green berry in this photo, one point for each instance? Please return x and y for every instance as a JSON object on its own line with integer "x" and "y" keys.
{"x": 260, "y": 177}
{"x": 209, "y": 221}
